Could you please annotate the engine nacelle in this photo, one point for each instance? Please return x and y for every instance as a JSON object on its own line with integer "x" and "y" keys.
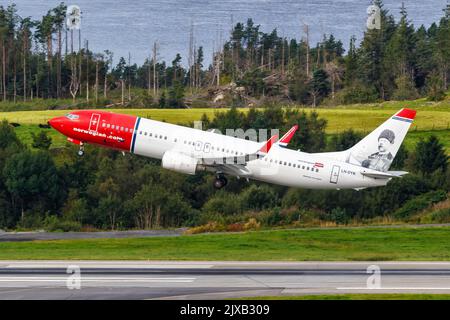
{"x": 179, "y": 162}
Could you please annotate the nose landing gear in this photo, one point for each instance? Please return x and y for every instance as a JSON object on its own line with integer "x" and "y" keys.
{"x": 220, "y": 181}
{"x": 81, "y": 150}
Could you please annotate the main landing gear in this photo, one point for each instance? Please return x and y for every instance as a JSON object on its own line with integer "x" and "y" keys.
{"x": 220, "y": 181}
{"x": 81, "y": 150}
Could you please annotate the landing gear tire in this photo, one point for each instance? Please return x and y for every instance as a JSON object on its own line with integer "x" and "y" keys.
{"x": 220, "y": 182}
{"x": 81, "y": 151}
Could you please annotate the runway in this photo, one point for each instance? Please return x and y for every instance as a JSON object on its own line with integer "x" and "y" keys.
{"x": 214, "y": 280}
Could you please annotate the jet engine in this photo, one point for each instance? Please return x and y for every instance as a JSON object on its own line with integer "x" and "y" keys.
{"x": 179, "y": 162}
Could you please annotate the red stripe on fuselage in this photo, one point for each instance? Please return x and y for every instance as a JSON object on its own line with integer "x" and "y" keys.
{"x": 101, "y": 128}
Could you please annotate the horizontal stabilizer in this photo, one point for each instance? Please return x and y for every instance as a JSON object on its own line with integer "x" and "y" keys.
{"x": 384, "y": 175}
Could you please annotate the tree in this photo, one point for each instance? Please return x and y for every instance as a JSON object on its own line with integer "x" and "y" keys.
{"x": 435, "y": 87}
{"x": 372, "y": 53}
{"x": 45, "y": 29}
{"x": 320, "y": 86}
{"x": 258, "y": 198}
{"x": 8, "y": 136}
{"x": 405, "y": 88}
{"x": 430, "y": 156}
{"x": 59, "y": 18}
{"x": 154, "y": 206}
{"x": 41, "y": 140}
{"x": 9, "y": 143}
{"x": 344, "y": 140}
{"x": 33, "y": 181}
{"x": 176, "y": 95}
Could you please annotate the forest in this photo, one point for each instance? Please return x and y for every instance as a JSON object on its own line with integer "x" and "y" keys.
{"x": 399, "y": 61}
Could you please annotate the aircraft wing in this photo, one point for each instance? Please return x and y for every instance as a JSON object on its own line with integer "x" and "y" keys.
{"x": 236, "y": 165}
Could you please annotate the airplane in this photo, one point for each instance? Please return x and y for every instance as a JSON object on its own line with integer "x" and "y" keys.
{"x": 188, "y": 150}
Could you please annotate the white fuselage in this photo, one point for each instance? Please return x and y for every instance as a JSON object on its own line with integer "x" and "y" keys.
{"x": 280, "y": 166}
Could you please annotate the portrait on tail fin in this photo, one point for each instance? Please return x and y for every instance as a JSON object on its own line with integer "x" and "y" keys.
{"x": 381, "y": 160}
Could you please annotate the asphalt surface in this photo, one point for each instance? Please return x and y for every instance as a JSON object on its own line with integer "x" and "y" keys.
{"x": 43, "y": 235}
{"x": 32, "y": 236}
{"x": 214, "y": 280}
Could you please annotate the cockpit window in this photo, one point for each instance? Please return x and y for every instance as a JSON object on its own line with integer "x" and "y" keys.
{"x": 72, "y": 116}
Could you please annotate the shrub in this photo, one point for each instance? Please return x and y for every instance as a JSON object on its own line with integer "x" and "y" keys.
{"x": 358, "y": 93}
{"x": 235, "y": 227}
{"x": 209, "y": 227}
{"x": 259, "y": 197}
{"x": 252, "y": 224}
{"x": 420, "y": 203}
{"x": 223, "y": 203}
{"x": 339, "y": 216}
{"x": 441, "y": 216}
{"x": 53, "y": 224}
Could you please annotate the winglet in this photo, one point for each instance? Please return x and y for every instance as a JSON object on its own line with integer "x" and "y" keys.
{"x": 268, "y": 145}
{"x": 284, "y": 141}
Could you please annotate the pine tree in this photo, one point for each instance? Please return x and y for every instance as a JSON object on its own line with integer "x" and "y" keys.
{"x": 372, "y": 53}
{"x": 430, "y": 156}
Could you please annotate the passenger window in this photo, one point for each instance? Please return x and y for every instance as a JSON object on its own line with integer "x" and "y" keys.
{"x": 145, "y": 133}
{"x": 103, "y": 125}
{"x": 303, "y": 167}
{"x": 121, "y": 128}
{"x": 150, "y": 134}
{"x": 108, "y": 126}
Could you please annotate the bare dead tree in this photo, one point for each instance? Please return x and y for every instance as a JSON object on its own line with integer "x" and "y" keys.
{"x": 87, "y": 71}
{"x": 306, "y": 31}
{"x": 155, "y": 78}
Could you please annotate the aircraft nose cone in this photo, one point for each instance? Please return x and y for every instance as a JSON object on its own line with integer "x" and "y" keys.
{"x": 56, "y": 123}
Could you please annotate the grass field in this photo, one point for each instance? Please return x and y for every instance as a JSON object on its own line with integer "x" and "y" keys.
{"x": 338, "y": 119}
{"x": 429, "y": 120}
{"x": 344, "y": 244}
{"x": 380, "y": 296}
